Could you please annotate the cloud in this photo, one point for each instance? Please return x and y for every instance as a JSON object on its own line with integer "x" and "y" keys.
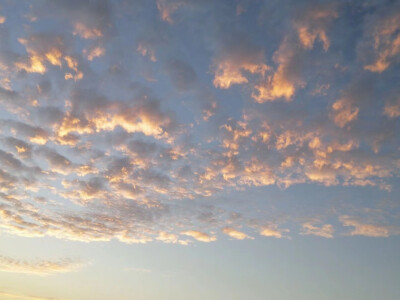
{"x": 167, "y": 8}
{"x": 41, "y": 49}
{"x": 146, "y": 50}
{"x": 310, "y": 228}
{"x": 89, "y": 20}
{"x": 312, "y": 23}
{"x": 344, "y": 112}
{"x": 392, "y": 110}
{"x": 167, "y": 237}
{"x": 94, "y": 52}
{"x": 38, "y": 267}
{"x": 93, "y": 113}
{"x": 86, "y": 32}
{"x": 236, "y": 234}
{"x": 200, "y": 236}
{"x": 382, "y": 38}
{"x": 365, "y": 229}
{"x": 272, "y": 231}
{"x": 285, "y": 80}
{"x": 137, "y": 123}
{"x": 238, "y": 56}
{"x": 23, "y": 149}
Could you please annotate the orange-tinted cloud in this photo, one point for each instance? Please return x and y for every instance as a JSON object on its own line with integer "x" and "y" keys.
{"x": 200, "y": 236}
{"x": 313, "y": 24}
{"x": 167, "y": 8}
{"x": 236, "y": 234}
{"x": 87, "y": 32}
{"x": 284, "y": 81}
{"x": 95, "y": 52}
{"x": 273, "y": 231}
{"x": 229, "y": 73}
{"x": 385, "y": 36}
{"x": 344, "y": 112}
{"x": 392, "y": 110}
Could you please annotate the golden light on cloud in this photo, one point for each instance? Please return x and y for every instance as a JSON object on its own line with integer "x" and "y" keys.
{"x": 307, "y": 38}
{"x": 38, "y": 139}
{"x": 54, "y": 57}
{"x": 93, "y": 53}
{"x": 313, "y": 25}
{"x": 86, "y": 32}
{"x": 273, "y": 231}
{"x": 236, "y": 234}
{"x": 200, "y": 236}
{"x": 229, "y": 73}
{"x": 35, "y": 65}
{"x": 276, "y": 86}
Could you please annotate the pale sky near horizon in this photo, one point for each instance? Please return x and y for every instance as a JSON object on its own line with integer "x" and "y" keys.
{"x": 183, "y": 149}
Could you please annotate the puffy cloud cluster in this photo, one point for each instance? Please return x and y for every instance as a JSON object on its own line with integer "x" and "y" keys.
{"x": 141, "y": 127}
{"x": 287, "y": 78}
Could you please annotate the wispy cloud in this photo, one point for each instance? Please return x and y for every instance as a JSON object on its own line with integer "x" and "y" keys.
{"x": 38, "y": 267}
{"x": 14, "y": 295}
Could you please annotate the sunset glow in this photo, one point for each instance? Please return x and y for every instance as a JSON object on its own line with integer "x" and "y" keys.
{"x": 183, "y": 149}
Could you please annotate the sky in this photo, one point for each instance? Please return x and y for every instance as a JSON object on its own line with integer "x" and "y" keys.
{"x": 187, "y": 149}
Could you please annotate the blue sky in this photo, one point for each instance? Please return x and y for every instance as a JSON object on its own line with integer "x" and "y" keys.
{"x": 176, "y": 149}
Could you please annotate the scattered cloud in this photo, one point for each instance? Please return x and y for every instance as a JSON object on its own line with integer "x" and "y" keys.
{"x": 159, "y": 122}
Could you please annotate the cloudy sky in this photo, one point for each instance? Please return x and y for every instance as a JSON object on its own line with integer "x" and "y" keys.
{"x": 187, "y": 149}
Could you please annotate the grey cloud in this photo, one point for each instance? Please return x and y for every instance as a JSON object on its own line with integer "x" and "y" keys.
{"x": 182, "y": 75}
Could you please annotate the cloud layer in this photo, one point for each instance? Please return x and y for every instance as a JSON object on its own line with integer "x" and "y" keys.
{"x": 142, "y": 121}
